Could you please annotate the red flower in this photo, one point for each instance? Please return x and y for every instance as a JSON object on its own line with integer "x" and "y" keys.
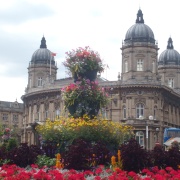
{"x": 132, "y": 174}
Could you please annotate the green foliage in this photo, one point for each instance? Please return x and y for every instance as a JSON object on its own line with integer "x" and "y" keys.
{"x": 67, "y": 130}
{"x": 43, "y": 160}
{"x": 11, "y": 144}
{"x": 86, "y": 96}
{"x": 4, "y": 161}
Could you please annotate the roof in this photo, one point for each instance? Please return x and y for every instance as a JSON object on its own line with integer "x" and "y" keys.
{"x": 169, "y": 56}
{"x": 139, "y": 32}
{"x": 43, "y": 55}
{"x": 15, "y": 106}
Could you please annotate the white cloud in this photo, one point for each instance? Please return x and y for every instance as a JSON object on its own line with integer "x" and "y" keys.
{"x": 68, "y": 24}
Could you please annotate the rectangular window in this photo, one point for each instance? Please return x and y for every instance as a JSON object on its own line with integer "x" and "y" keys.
{"x": 15, "y": 118}
{"x": 139, "y": 110}
{"x": 171, "y": 82}
{"x": 126, "y": 66}
{"x": 139, "y": 65}
{"x": 5, "y": 117}
{"x": 39, "y": 116}
{"x": 57, "y": 112}
{"x": 4, "y": 126}
{"x": 154, "y": 113}
{"x": 104, "y": 113}
{"x": 40, "y": 81}
{"x": 124, "y": 112}
{"x": 46, "y": 114}
{"x": 30, "y": 83}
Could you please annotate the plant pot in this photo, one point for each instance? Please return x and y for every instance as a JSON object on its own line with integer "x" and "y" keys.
{"x": 93, "y": 112}
{"x": 91, "y": 75}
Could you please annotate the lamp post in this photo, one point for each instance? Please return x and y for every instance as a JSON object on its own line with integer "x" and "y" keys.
{"x": 147, "y": 129}
{"x": 157, "y": 137}
{"x": 150, "y": 118}
{"x": 111, "y": 90}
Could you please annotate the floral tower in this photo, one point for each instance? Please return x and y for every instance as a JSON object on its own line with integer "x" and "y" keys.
{"x": 84, "y": 96}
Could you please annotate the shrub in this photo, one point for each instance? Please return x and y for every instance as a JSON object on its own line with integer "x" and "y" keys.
{"x": 134, "y": 157}
{"x": 67, "y": 129}
{"x": 11, "y": 144}
{"x": 43, "y": 160}
{"x": 158, "y": 156}
{"x": 85, "y": 155}
{"x": 173, "y": 157}
{"x": 24, "y": 155}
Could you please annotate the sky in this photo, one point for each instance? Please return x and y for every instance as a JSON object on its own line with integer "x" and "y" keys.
{"x": 69, "y": 24}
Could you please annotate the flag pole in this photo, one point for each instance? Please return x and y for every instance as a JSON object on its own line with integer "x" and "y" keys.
{"x": 50, "y": 66}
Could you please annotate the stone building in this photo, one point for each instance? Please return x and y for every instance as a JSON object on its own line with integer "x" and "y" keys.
{"x": 146, "y": 94}
{"x": 11, "y": 116}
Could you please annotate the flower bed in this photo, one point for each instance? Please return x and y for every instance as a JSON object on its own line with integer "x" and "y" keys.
{"x": 13, "y": 172}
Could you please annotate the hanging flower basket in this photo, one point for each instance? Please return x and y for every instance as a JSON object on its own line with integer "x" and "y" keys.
{"x": 84, "y": 97}
{"x": 91, "y": 75}
{"x": 82, "y": 61}
{"x": 91, "y": 110}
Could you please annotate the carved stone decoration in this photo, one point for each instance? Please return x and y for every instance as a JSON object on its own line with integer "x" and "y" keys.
{"x": 139, "y": 100}
{"x": 124, "y": 100}
{"x": 155, "y": 100}
{"x": 140, "y": 55}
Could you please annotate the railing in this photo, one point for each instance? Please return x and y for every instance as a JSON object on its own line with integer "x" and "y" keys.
{"x": 142, "y": 122}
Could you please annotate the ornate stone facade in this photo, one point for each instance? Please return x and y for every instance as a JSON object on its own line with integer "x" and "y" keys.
{"x": 11, "y": 116}
{"x": 146, "y": 95}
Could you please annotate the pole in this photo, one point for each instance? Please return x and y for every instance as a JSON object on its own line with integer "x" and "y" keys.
{"x": 111, "y": 104}
{"x": 50, "y": 67}
{"x": 146, "y": 136}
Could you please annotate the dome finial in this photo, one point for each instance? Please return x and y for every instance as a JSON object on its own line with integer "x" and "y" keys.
{"x": 170, "y": 44}
{"x": 43, "y": 43}
{"x": 139, "y": 17}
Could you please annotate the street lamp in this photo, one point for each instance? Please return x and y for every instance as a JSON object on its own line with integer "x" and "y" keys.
{"x": 111, "y": 90}
{"x": 150, "y": 118}
{"x": 157, "y": 133}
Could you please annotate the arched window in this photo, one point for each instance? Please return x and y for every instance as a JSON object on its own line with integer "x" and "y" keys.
{"x": 139, "y": 65}
{"x": 104, "y": 113}
{"x": 125, "y": 66}
{"x": 155, "y": 111}
{"x": 139, "y": 110}
{"x": 124, "y": 112}
{"x": 140, "y": 138}
{"x": 39, "y": 81}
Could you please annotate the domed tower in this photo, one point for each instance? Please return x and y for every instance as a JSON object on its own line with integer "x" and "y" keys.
{"x": 139, "y": 53}
{"x": 169, "y": 66}
{"x": 42, "y": 68}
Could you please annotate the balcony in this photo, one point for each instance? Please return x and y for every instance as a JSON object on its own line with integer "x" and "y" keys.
{"x": 141, "y": 122}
